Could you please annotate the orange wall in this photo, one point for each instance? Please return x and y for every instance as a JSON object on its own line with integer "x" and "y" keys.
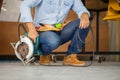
{"x": 8, "y": 33}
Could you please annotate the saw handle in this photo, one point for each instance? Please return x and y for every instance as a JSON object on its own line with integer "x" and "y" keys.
{"x": 37, "y": 49}
{"x": 36, "y": 45}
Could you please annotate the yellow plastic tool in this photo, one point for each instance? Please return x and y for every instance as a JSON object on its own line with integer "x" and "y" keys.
{"x": 113, "y": 10}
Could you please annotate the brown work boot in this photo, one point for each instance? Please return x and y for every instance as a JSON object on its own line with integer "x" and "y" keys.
{"x": 72, "y": 60}
{"x": 45, "y": 59}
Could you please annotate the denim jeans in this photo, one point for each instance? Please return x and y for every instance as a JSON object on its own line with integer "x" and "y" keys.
{"x": 50, "y": 40}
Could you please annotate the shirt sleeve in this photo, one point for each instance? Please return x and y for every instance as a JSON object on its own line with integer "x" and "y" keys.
{"x": 79, "y": 8}
{"x": 25, "y": 10}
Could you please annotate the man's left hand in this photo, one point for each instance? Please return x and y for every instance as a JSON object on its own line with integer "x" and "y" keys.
{"x": 84, "y": 22}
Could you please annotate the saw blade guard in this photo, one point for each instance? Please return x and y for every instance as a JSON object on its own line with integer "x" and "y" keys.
{"x": 24, "y": 48}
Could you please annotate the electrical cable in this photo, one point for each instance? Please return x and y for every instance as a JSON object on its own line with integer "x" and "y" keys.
{"x": 91, "y": 40}
{"x": 21, "y": 25}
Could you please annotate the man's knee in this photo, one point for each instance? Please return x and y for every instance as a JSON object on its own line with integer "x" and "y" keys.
{"x": 49, "y": 41}
{"x": 50, "y": 45}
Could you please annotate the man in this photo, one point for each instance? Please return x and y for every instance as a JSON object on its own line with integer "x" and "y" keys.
{"x": 48, "y": 25}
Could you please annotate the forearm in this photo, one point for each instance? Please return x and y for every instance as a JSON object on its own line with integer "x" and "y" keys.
{"x": 30, "y": 26}
{"x": 32, "y": 34}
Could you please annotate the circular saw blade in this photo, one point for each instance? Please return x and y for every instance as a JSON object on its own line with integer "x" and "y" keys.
{"x": 23, "y": 50}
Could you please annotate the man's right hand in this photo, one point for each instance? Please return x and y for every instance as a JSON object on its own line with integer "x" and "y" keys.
{"x": 32, "y": 34}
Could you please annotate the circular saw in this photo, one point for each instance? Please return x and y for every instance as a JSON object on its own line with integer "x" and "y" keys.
{"x": 25, "y": 48}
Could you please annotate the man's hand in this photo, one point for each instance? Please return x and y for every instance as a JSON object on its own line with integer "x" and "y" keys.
{"x": 32, "y": 34}
{"x": 84, "y": 22}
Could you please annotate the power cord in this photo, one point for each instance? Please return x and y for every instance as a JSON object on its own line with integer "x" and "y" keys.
{"x": 91, "y": 40}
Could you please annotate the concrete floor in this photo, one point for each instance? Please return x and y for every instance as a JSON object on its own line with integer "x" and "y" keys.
{"x": 14, "y": 70}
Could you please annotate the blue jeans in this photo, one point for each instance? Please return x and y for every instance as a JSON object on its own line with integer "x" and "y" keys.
{"x": 51, "y": 40}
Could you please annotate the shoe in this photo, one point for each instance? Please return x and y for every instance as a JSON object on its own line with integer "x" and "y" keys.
{"x": 44, "y": 60}
{"x": 71, "y": 60}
